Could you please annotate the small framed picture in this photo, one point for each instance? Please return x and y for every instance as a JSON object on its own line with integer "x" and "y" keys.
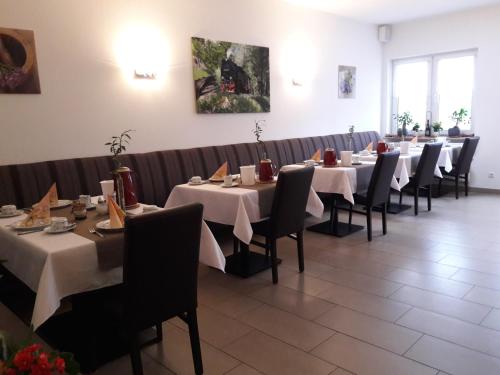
{"x": 347, "y": 82}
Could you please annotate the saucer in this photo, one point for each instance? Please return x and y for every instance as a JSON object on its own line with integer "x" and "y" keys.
{"x": 196, "y": 183}
{"x": 67, "y": 228}
{"x": 16, "y": 213}
{"x": 19, "y": 227}
{"x": 234, "y": 184}
{"x": 105, "y": 226}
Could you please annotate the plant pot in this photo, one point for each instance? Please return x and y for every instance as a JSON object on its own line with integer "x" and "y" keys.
{"x": 454, "y": 131}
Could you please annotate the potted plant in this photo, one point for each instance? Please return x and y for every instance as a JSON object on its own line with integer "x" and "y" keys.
{"x": 416, "y": 128}
{"x": 459, "y": 117}
{"x": 257, "y": 131}
{"x": 404, "y": 121}
{"x": 350, "y": 136}
{"x": 437, "y": 127}
{"x": 124, "y": 184}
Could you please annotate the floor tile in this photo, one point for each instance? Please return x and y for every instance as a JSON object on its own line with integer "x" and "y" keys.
{"x": 452, "y": 358}
{"x": 361, "y": 282}
{"x": 243, "y": 370}
{"x": 236, "y": 306}
{"x": 457, "y": 331}
{"x": 478, "y": 278}
{"x": 442, "y": 304}
{"x": 305, "y": 284}
{"x": 366, "y": 303}
{"x": 215, "y": 328}
{"x": 174, "y": 352}
{"x": 272, "y": 356}
{"x": 389, "y": 336}
{"x": 492, "y": 320}
{"x": 431, "y": 283}
{"x": 300, "y": 304}
{"x": 489, "y": 297}
{"x": 362, "y": 358}
{"x": 341, "y": 371}
{"x": 123, "y": 366}
{"x": 287, "y": 327}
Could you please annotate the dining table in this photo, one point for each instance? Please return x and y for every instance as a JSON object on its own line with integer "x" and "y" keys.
{"x": 237, "y": 206}
{"x": 55, "y": 266}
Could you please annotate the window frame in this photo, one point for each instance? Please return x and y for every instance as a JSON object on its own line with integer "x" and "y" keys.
{"x": 432, "y": 95}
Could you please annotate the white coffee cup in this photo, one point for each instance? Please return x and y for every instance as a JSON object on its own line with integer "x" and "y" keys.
{"x": 228, "y": 180}
{"x": 59, "y": 223}
{"x": 108, "y": 188}
{"x": 247, "y": 173}
{"x": 355, "y": 159}
{"x": 195, "y": 180}
{"x": 346, "y": 157}
{"x": 85, "y": 199}
{"x": 310, "y": 163}
{"x": 9, "y": 209}
{"x": 404, "y": 147}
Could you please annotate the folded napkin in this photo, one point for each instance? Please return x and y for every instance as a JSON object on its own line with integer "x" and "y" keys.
{"x": 414, "y": 140}
{"x": 40, "y": 214}
{"x": 116, "y": 215}
{"x": 369, "y": 148}
{"x": 317, "y": 156}
{"x": 54, "y": 199}
{"x": 220, "y": 173}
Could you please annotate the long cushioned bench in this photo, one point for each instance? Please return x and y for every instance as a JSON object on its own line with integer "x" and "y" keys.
{"x": 156, "y": 173}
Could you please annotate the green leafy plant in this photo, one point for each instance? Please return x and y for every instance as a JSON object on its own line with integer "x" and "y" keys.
{"x": 404, "y": 121}
{"x": 459, "y": 116}
{"x": 437, "y": 126}
{"x": 416, "y": 127}
{"x": 118, "y": 145}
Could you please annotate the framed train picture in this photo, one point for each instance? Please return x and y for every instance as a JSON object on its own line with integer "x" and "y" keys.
{"x": 230, "y": 77}
{"x": 18, "y": 65}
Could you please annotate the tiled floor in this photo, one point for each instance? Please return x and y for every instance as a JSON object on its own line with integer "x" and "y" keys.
{"x": 424, "y": 299}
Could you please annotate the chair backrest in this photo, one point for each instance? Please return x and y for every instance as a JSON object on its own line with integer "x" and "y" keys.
{"x": 424, "y": 174}
{"x": 290, "y": 200}
{"x": 380, "y": 182}
{"x": 466, "y": 155}
{"x": 160, "y": 272}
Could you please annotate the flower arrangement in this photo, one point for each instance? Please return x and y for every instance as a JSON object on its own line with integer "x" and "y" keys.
{"x": 34, "y": 360}
{"x": 350, "y": 135}
{"x": 257, "y": 131}
{"x": 437, "y": 126}
{"x": 118, "y": 145}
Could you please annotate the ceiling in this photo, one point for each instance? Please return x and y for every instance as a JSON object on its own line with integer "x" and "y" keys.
{"x": 391, "y": 11}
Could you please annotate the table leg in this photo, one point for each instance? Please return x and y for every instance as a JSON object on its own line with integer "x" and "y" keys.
{"x": 333, "y": 226}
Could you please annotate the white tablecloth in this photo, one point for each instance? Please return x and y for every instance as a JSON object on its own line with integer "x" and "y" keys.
{"x": 402, "y": 168}
{"x": 445, "y": 159}
{"x": 339, "y": 180}
{"x": 57, "y": 266}
{"x": 237, "y": 207}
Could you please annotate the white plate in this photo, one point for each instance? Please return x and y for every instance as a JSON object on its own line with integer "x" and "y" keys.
{"x": 104, "y": 226}
{"x": 17, "y": 213}
{"x": 61, "y": 203}
{"x": 16, "y": 226}
{"x": 230, "y": 186}
{"x": 196, "y": 183}
{"x": 50, "y": 230}
{"x": 235, "y": 176}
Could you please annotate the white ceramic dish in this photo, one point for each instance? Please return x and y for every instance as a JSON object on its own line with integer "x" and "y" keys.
{"x": 105, "y": 227}
{"x": 196, "y": 183}
{"x": 17, "y": 226}
{"x": 67, "y": 228}
{"x": 230, "y": 186}
{"x": 17, "y": 213}
{"x": 61, "y": 203}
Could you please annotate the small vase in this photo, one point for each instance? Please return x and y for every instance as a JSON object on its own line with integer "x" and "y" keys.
{"x": 454, "y": 131}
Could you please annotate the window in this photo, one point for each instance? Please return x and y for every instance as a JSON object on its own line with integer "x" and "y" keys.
{"x": 433, "y": 87}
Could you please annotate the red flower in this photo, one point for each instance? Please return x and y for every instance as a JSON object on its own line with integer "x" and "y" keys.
{"x": 60, "y": 365}
{"x": 22, "y": 360}
{"x": 32, "y": 348}
{"x": 39, "y": 370}
{"x": 43, "y": 362}
{"x": 11, "y": 371}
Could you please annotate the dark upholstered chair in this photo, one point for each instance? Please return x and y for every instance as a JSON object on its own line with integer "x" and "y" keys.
{"x": 287, "y": 214}
{"x": 462, "y": 167}
{"x": 160, "y": 275}
{"x": 378, "y": 191}
{"x": 424, "y": 175}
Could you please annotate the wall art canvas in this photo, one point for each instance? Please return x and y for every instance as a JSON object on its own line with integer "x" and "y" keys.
{"x": 347, "y": 82}
{"x": 230, "y": 77}
{"x": 18, "y": 65}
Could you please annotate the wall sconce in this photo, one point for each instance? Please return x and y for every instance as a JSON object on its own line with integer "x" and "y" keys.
{"x": 144, "y": 75}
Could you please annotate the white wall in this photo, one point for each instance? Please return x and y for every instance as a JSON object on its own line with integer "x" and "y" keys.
{"x": 85, "y": 97}
{"x": 472, "y": 29}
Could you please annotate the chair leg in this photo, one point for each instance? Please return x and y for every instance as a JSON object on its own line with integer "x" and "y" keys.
{"x": 400, "y": 197}
{"x": 135, "y": 355}
{"x": 439, "y": 186}
{"x": 429, "y": 197}
{"x": 456, "y": 187}
{"x": 300, "y": 250}
{"x": 466, "y": 184}
{"x": 415, "y": 198}
{"x": 159, "y": 332}
{"x": 350, "y": 216}
{"x": 369, "y": 222}
{"x": 384, "y": 218}
{"x": 194, "y": 337}
{"x": 236, "y": 245}
{"x": 274, "y": 261}
{"x": 268, "y": 247}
